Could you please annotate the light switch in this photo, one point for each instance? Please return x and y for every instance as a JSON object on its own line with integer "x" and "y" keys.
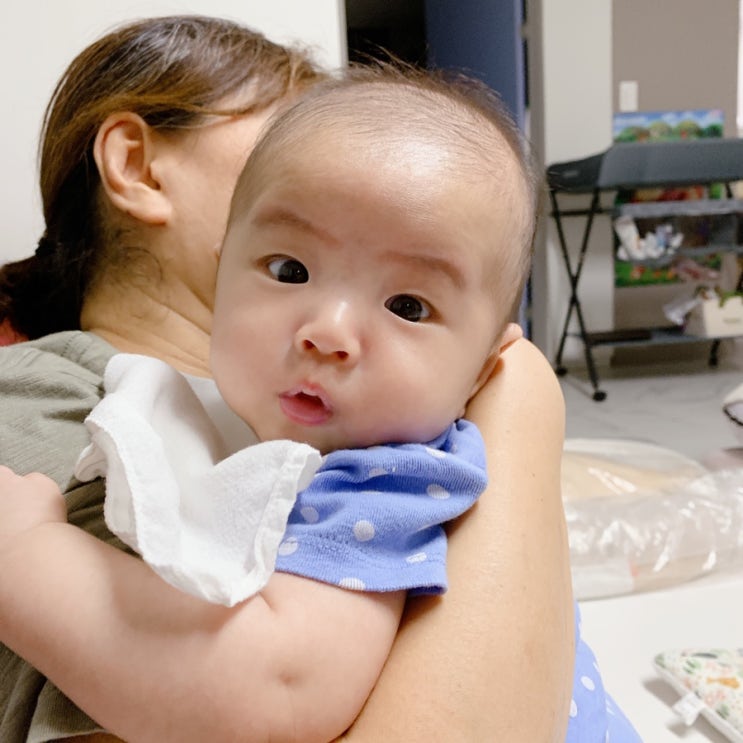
{"x": 628, "y": 95}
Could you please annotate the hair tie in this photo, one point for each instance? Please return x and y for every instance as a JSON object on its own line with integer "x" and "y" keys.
{"x": 46, "y": 247}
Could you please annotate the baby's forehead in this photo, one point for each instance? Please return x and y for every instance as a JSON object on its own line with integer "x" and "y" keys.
{"x": 415, "y": 135}
{"x": 394, "y": 117}
{"x": 366, "y": 146}
{"x": 409, "y": 167}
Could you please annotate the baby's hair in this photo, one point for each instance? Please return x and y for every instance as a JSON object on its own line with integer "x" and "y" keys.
{"x": 174, "y": 72}
{"x": 387, "y": 102}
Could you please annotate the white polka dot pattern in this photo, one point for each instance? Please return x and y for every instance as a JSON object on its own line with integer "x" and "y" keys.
{"x": 371, "y": 519}
{"x": 437, "y": 492}
{"x": 310, "y": 514}
{"x": 594, "y": 716}
{"x": 363, "y": 530}
{"x": 417, "y": 557}
{"x": 436, "y": 453}
{"x": 288, "y": 546}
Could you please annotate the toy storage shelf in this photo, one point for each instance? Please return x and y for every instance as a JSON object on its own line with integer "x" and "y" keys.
{"x": 709, "y": 226}
{"x": 636, "y": 165}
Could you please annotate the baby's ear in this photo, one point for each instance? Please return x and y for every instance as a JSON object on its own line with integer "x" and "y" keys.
{"x": 510, "y": 335}
{"x": 125, "y": 151}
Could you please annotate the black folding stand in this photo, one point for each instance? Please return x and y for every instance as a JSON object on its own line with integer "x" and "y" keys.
{"x": 629, "y": 166}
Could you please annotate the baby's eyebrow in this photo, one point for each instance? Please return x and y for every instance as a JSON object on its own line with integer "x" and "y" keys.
{"x": 279, "y": 216}
{"x": 431, "y": 263}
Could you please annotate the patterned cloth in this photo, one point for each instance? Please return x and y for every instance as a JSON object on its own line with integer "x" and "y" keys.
{"x": 594, "y": 715}
{"x": 371, "y": 518}
{"x": 712, "y": 679}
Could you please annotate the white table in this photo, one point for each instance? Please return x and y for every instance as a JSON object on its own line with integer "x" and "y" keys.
{"x": 626, "y": 632}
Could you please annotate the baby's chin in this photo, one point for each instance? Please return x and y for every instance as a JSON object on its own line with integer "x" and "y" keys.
{"x": 326, "y": 440}
{"x": 325, "y": 446}
{"x": 323, "y": 441}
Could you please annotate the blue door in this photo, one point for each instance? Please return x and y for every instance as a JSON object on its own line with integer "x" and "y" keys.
{"x": 482, "y": 37}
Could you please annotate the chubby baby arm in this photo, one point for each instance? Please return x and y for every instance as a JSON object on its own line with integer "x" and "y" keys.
{"x": 151, "y": 663}
{"x": 25, "y": 502}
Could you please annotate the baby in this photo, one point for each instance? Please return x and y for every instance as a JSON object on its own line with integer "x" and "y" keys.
{"x": 376, "y": 251}
{"x": 377, "y": 248}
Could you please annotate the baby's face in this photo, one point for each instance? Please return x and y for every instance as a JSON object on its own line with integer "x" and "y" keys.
{"x": 356, "y": 301}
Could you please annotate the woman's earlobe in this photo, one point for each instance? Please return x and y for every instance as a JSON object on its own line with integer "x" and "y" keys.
{"x": 125, "y": 151}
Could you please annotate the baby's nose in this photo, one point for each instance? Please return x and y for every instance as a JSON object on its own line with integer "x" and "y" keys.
{"x": 331, "y": 331}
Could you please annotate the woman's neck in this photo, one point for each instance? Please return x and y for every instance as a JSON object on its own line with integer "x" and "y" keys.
{"x": 135, "y": 321}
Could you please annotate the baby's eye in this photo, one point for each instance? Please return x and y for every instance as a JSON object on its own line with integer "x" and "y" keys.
{"x": 408, "y": 308}
{"x": 288, "y": 270}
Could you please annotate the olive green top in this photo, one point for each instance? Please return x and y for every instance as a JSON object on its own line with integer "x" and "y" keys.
{"x": 47, "y": 388}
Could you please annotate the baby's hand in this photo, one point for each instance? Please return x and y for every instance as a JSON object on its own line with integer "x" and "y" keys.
{"x": 26, "y": 501}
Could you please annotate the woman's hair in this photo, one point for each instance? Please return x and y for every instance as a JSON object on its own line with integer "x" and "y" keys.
{"x": 173, "y": 72}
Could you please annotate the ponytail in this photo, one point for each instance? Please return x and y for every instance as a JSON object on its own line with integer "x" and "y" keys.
{"x": 43, "y": 293}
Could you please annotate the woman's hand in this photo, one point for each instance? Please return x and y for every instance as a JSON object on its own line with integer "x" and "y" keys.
{"x": 27, "y": 501}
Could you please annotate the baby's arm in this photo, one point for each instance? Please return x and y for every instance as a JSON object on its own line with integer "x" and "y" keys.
{"x": 296, "y": 662}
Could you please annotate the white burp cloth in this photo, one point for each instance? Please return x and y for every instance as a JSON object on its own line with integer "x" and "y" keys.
{"x": 206, "y": 518}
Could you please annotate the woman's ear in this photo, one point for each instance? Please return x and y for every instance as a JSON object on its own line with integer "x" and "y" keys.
{"x": 510, "y": 335}
{"x": 124, "y": 151}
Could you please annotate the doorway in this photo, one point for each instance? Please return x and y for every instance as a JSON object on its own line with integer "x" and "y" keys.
{"x": 480, "y": 37}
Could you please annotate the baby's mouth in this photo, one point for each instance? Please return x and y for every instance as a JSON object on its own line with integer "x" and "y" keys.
{"x": 308, "y": 408}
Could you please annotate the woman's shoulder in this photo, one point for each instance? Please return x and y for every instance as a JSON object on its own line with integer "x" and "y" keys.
{"x": 74, "y": 354}
{"x": 47, "y": 388}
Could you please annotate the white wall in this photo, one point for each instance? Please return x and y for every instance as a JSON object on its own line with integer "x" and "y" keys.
{"x": 38, "y": 38}
{"x": 571, "y": 76}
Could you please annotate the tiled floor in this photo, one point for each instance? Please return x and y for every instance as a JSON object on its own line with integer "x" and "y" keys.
{"x": 677, "y": 405}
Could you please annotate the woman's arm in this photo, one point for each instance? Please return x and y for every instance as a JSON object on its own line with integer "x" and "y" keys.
{"x": 151, "y": 663}
{"x": 493, "y": 659}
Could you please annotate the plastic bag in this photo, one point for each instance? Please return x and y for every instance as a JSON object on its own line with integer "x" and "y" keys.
{"x": 641, "y": 517}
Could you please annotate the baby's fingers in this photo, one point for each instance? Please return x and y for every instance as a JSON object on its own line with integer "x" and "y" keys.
{"x": 27, "y": 501}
